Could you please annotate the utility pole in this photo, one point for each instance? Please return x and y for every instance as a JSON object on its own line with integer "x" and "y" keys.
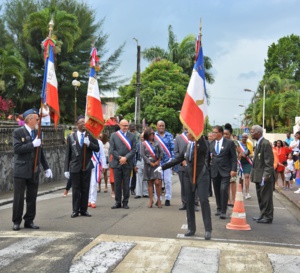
{"x": 138, "y": 85}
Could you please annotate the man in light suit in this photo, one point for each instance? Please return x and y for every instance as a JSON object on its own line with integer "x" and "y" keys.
{"x": 223, "y": 163}
{"x": 123, "y": 148}
{"x": 181, "y": 141}
{"x": 26, "y": 144}
{"x": 80, "y": 147}
{"x": 263, "y": 175}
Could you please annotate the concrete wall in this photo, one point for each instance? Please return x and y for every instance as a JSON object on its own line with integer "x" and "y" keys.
{"x": 55, "y": 157}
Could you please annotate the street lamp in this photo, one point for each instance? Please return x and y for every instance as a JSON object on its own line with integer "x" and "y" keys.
{"x": 138, "y": 84}
{"x": 76, "y": 84}
{"x": 249, "y": 90}
{"x": 264, "y": 104}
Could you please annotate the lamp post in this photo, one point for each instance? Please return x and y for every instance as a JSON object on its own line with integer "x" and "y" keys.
{"x": 239, "y": 124}
{"x": 264, "y": 105}
{"x": 249, "y": 90}
{"x": 76, "y": 84}
{"x": 138, "y": 84}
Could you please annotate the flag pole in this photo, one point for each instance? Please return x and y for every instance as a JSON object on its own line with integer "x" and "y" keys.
{"x": 51, "y": 24}
{"x": 196, "y": 140}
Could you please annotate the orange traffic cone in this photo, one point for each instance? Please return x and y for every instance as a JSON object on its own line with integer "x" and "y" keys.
{"x": 238, "y": 217}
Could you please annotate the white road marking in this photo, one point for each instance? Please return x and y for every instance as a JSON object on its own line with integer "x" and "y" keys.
{"x": 285, "y": 263}
{"x": 197, "y": 260}
{"x": 102, "y": 258}
{"x": 21, "y": 248}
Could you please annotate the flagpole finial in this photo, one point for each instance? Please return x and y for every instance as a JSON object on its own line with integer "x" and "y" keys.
{"x": 51, "y": 25}
{"x": 200, "y": 28}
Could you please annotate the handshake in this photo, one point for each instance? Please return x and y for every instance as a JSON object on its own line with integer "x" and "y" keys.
{"x": 158, "y": 169}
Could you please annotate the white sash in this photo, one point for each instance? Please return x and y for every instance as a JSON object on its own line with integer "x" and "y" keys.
{"x": 162, "y": 144}
{"x": 124, "y": 140}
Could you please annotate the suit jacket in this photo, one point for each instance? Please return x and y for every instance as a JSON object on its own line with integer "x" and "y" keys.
{"x": 24, "y": 154}
{"x": 202, "y": 157}
{"x": 180, "y": 146}
{"x": 225, "y": 161}
{"x": 118, "y": 148}
{"x": 75, "y": 154}
{"x": 263, "y": 163}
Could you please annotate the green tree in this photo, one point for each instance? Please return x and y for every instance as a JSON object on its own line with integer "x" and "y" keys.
{"x": 182, "y": 53}
{"x": 163, "y": 89}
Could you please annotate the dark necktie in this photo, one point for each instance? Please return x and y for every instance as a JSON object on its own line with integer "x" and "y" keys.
{"x": 81, "y": 139}
{"x": 32, "y": 134}
{"x": 191, "y": 151}
{"x": 217, "y": 148}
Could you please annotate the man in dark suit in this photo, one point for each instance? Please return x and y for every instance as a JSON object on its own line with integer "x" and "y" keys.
{"x": 25, "y": 144}
{"x": 78, "y": 166}
{"x": 263, "y": 175}
{"x": 123, "y": 148}
{"x": 181, "y": 141}
{"x": 223, "y": 165}
{"x": 201, "y": 186}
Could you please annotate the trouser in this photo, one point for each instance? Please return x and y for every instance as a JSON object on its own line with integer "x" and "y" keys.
{"x": 221, "y": 185}
{"x": 69, "y": 184}
{"x": 122, "y": 179}
{"x": 31, "y": 185}
{"x": 265, "y": 199}
{"x": 133, "y": 180}
{"x": 141, "y": 185}
{"x": 93, "y": 187}
{"x": 202, "y": 186}
{"x": 166, "y": 177}
{"x": 80, "y": 190}
{"x": 181, "y": 179}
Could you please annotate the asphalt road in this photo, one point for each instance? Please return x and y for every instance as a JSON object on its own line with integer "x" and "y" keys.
{"x": 54, "y": 247}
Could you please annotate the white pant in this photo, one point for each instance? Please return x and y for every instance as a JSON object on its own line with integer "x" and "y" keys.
{"x": 141, "y": 186}
{"x": 93, "y": 188}
{"x": 167, "y": 180}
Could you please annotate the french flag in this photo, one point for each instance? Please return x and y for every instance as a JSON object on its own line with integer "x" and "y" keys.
{"x": 194, "y": 108}
{"x": 49, "y": 90}
{"x": 94, "y": 121}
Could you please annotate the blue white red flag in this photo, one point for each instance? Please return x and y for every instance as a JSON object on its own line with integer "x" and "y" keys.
{"x": 194, "y": 108}
{"x": 94, "y": 121}
{"x": 49, "y": 91}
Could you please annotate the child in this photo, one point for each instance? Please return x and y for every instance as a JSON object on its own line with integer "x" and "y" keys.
{"x": 287, "y": 174}
{"x": 290, "y": 163}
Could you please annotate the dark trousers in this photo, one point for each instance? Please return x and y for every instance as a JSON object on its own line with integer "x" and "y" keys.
{"x": 202, "y": 193}
{"x": 80, "y": 190}
{"x": 31, "y": 185}
{"x": 133, "y": 181}
{"x": 122, "y": 179}
{"x": 181, "y": 179}
{"x": 221, "y": 185}
{"x": 265, "y": 199}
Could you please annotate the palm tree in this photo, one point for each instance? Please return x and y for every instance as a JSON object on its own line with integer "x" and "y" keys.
{"x": 182, "y": 53}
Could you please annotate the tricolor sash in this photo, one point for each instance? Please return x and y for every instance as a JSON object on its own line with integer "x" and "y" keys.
{"x": 98, "y": 166}
{"x": 124, "y": 139}
{"x": 149, "y": 148}
{"x": 162, "y": 144}
{"x": 241, "y": 149}
{"x": 184, "y": 137}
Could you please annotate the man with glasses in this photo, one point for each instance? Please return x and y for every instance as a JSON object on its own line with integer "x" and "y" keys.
{"x": 123, "y": 148}
{"x": 223, "y": 164}
{"x": 26, "y": 176}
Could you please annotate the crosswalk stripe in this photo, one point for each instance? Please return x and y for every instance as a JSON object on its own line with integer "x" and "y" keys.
{"x": 21, "y": 248}
{"x": 102, "y": 258}
{"x": 197, "y": 260}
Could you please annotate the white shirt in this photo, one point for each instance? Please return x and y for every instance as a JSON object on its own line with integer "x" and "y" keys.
{"x": 79, "y": 135}
{"x": 220, "y": 144}
{"x": 295, "y": 145}
{"x": 28, "y": 129}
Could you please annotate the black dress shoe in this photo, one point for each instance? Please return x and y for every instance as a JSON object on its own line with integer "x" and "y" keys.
{"x": 183, "y": 207}
{"x": 137, "y": 197}
{"x": 125, "y": 207}
{"x": 31, "y": 225}
{"x": 190, "y": 233}
{"x": 264, "y": 221}
{"x": 74, "y": 214}
{"x": 167, "y": 203}
{"x": 218, "y": 213}
{"x": 116, "y": 206}
{"x": 16, "y": 227}
{"x": 146, "y": 196}
{"x": 222, "y": 216}
{"x": 85, "y": 214}
{"x": 132, "y": 192}
{"x": 207, "y": 235}
{"x": 256, "y": 218}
